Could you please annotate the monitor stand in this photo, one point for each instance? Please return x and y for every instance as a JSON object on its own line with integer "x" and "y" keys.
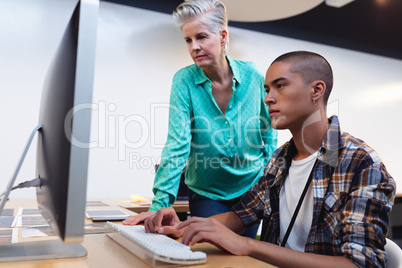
{"x": 40, "y": 250}
{"x": 17, "y": 169}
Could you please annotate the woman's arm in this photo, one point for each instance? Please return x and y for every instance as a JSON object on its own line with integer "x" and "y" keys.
{"x": 177, "y": 148}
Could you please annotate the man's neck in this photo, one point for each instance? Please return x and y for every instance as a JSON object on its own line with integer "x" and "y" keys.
{"x": 308, "y": 139}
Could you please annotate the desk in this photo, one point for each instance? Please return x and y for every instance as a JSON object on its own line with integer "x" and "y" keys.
{"x": 179, "y": 207}
{"x": 105, "y": 252}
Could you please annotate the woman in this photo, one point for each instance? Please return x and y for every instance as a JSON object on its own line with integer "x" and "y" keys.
{"x": 218, "y": 123}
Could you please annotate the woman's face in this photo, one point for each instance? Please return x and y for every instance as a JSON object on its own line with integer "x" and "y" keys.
{"x": 204, "y": 46}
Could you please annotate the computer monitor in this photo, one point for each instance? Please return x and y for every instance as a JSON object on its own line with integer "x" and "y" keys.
{"x": 63, "y": 139}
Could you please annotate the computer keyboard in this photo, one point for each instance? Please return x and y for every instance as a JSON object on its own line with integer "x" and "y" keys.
{"x": 154, "y": 248}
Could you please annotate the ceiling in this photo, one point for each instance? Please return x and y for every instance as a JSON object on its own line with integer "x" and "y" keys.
{"x": 371, "y": 26}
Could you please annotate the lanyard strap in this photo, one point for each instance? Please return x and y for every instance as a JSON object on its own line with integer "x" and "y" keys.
{"x": 285, "y": 238}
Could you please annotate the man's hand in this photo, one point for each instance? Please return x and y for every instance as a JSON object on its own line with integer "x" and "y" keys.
{"x": 134, "y": 220}
{"x": 164, "y": 221}
{"x": 211, "y": 230}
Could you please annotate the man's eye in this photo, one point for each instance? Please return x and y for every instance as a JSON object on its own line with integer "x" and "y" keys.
{"x": 188, "y": 41}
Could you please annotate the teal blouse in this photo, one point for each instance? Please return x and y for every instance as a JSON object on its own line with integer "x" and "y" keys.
{"x": 226, "y": 153}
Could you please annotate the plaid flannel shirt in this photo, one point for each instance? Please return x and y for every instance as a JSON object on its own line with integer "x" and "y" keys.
{"x": 353, "y": 194}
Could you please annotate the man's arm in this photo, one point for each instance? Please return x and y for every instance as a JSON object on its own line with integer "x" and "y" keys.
{"x": 284, "y": 257}
{"x": 231, "y": 221}
{"x": 221, "y": 229}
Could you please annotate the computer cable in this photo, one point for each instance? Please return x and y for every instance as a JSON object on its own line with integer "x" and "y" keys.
{"x": 37, "y": 182}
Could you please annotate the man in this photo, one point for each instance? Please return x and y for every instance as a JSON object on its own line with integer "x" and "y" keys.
{"x": 344, "y": 190}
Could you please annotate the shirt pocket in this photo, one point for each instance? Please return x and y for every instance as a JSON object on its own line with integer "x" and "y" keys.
{"x": 332, "y": 210}
{"x": 332, "y": 202}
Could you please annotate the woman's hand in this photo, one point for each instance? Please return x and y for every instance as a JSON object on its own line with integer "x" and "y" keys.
{"x": 164, "y": 221}
{"x": 134, "y": 220}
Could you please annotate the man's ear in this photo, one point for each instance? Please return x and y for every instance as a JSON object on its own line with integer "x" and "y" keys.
{"x": 319, "y": 88}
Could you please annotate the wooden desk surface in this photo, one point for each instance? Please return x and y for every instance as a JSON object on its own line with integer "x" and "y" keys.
{"x": 137, "y": 207}
{"x": 105, "y": 252}
{"x": 179, "y": 206}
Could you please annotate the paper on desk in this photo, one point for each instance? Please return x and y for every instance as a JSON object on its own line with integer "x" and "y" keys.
{"x": 31, "y": 232}
{"x": 30, "y": 217}
{"x": 138, "y": 198}
{"x": 7, "y": 212}
{"x": 29, "y": 211}
{"x": 6, "y": 222}
{"x": 96, "y": 204}
{"x": 31, "y": 221}
{"x": 15, "y": 236}
{"x": 8, "y": 235}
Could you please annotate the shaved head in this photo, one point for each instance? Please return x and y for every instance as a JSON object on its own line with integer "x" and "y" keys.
{"x": 311, "y": 67}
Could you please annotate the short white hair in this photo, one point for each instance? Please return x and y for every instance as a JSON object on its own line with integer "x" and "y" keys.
{"x": 214, "y": 11}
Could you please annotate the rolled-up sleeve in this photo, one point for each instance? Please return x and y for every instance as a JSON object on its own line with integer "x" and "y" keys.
{"x": 253, "y": 203}
{"x": 364, "y": 223}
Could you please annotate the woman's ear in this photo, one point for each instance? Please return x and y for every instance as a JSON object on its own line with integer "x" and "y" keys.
{"x": 224, "y": 37}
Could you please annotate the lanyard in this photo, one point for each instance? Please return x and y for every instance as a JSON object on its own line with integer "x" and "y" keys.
{"x": 285, "y": 238}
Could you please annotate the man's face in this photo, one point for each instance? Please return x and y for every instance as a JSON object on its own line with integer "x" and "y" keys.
{"x": 289, "y": 99}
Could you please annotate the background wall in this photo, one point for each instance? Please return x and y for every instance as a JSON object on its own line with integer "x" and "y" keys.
{"x": 138, "y": 52}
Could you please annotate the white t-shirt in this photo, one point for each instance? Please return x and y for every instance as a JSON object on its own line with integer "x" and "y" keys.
{"x": 289, "y": 196}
